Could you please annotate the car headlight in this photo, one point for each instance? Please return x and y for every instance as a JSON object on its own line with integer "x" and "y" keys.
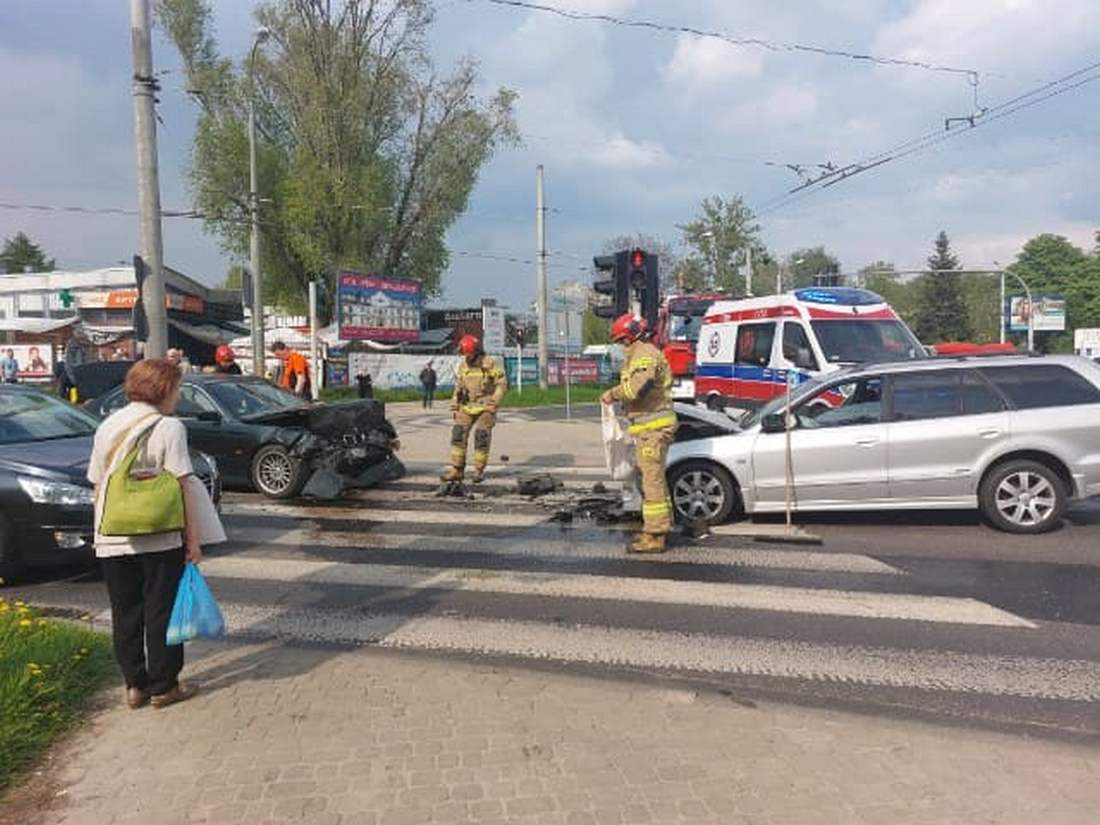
{"x": 212, "y": 464}
{"x": 55, "y": 492}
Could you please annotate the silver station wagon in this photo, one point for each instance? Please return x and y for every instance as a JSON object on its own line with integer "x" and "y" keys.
{"x": 1017, "y": 437}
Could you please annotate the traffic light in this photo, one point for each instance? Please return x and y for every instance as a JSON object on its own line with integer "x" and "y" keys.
{"x": 616, "y": 285}
{"x": 644, "y": 283}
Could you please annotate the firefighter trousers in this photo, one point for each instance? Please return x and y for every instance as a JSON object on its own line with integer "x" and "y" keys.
{"x": 482, "y": 426}
{"x": 651, "y": 450}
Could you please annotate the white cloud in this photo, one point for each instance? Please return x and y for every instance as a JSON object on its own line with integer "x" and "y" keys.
{"x": 705, "y": 61}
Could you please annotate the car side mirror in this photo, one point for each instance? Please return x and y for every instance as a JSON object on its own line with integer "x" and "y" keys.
{"x": 209, "y": 416}
{"x": 773, "y": 423}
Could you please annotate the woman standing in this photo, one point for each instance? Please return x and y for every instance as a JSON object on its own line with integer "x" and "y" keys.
{"x": 143, "y": 572}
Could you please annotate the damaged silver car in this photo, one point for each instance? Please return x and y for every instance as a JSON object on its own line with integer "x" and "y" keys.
{"x": 268, "y": 440}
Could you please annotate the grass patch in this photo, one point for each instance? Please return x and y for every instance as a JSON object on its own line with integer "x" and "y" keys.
{"x": 48, "y": 671}
{"x": 530, "y": 397}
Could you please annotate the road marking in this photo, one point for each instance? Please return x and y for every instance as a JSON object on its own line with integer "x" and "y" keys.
{"x": 419, "y": 470}
{"x": 457, "y": 518}
{"x": 906, "y": 607}
{"x": 1062, "y": 679}
{"x": 613, "y": 549}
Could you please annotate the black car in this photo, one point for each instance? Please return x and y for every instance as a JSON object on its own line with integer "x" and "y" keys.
{"x": 46, "y": 508}
{"x": 269, "y": 440}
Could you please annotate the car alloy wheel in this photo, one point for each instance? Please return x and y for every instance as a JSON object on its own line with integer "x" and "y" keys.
{"x": 276, "y": 473}
{"x": 1026, "y": 499}
{"x": 701, "y": 492}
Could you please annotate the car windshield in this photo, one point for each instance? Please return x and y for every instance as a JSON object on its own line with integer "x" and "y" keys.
{"x": 865, "y": 341}
{"x": 247, "y": 398}
{"x": 754, "y": 417}
{"x": 29, "y": 416}
{"x": 685, "y": 327}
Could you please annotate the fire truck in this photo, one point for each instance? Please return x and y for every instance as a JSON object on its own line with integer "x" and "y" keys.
{"x": 679, "y": 321}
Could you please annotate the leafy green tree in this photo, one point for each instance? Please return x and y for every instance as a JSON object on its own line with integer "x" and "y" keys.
{"x": 941, "y": 312}
{"x": 21, "y": 254}
{"x": 596, "y": 330}
{"x": 367, "y": 153}
{"x": 234, "y": 277}
{"x": 718, "y": 239}
{"x": 804, "y": 266}
{"x": 1051, "y": 264}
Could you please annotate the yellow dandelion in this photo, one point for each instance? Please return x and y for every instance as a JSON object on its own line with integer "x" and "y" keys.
{"x": 25, "y": 622}
{"x": 84, "y": 651}
{"x": 19, "y": 603}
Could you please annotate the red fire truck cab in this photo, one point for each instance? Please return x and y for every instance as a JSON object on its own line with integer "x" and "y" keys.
{"x": 678, "y": 324}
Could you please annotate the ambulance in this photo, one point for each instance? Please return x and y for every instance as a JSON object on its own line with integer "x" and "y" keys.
{"x": 748, "y": 347}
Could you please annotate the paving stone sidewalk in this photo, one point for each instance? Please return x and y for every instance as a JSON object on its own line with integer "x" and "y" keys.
{"x": 358, "y": 737}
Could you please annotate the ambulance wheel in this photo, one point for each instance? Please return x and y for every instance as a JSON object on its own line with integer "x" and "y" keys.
{"x": 715, "y": 402}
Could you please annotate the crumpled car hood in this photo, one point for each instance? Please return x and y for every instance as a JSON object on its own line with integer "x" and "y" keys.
{"x": 329, "y": 420}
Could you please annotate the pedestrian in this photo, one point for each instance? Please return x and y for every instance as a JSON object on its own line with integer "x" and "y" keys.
{"x": 366, "y": 385}
{"x": 225, "y": 361}
{"x": 295, "y": 371}
{"x": 142, "y": 572}
{"x": 9, "y": 367}
{"x": 479, "y": 387}
{"x": 645, "y": 390}
{"x": 428, "y": 380}
{"x": 65, "y": 385}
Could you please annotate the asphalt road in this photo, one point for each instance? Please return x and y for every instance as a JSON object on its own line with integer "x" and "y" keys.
{"x": 920, "y": 615}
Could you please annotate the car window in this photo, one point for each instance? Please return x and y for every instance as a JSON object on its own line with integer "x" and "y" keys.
{"x": 31, "y": 416}
{"x": 978, "y": 397}
{"x": 1035, "y": 386}
{"x": 865, "y": 340}
{"x": 193, "y": 401}
{"x": 754, "y": 344}
{"x": 795, "y": 341}
{"x": 923, "y": 395}
{"x": 247, "y": 398}
{"x": 843, "y": 405}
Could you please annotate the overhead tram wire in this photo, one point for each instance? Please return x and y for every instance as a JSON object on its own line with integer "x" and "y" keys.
{"x": 733, "y": 40}
{"x": 1081, "y": 77}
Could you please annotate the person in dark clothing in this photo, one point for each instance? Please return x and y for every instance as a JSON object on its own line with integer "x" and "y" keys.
{"x": 366, "y": 386}
{"x": 428, "y": 379}
{"x": 225, "y": 361}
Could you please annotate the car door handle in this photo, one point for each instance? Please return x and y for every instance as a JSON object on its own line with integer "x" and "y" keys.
{"x": 989, "y": 432}
{"x": 866, "y": 442}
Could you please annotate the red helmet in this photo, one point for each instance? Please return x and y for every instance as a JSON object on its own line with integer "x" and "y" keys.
{"x": 469, "y": 345}
{"x": 628, "y": 327}
{"x": 224, "y": 355}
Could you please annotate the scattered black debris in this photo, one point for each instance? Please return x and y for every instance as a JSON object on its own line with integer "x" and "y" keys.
{"x": 454, "y": 489}
{"x": 537, "y": 485}
{"x": 605, "y": 509}
{"x": 695, "y": 529}
{"x": 504, "y": 459}
{"x": 598, "y": 488}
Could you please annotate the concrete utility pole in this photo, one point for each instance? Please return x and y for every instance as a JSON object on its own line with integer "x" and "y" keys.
{"x": 748, "y": 271}
{"x": 145, "y": 138}
{"x": 258, "y": 355}
{"x": 540, "y": 284}
{"x": 314, "y": 361}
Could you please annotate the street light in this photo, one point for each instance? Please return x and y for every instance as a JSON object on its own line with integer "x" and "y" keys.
{"x": 713, "y": 253}
{"x": 261, "y": 35}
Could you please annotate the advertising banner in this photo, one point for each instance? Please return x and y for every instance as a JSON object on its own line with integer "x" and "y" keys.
{"x": 392, "y": 371}
{"x": 492, "y": 322}
{"x": 1086, "y": 342}
{"x": 530, "y": 370}
{"x": 371, "y": 308}
{"x": 1047, "y": 315}
{"x": 579, "y": 371}
{"x": 35, "y": 360}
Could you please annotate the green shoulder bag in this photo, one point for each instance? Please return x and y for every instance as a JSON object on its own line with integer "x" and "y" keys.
{"x": 140, "y": 506}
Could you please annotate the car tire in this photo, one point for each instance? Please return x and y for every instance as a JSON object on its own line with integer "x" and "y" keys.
{"x": 10, "y": 563}
{"x": 715, "y": 402}
{"x": 1023, "y": 497}
{"x": 276, "y": 473}
{"x": 702, "y": 492}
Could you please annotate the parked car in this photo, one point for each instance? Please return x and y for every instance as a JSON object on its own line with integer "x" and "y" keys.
{"x": 267, "y": 439}
{"x": 45, "y": 498}
{"x": 1018, "y": 437}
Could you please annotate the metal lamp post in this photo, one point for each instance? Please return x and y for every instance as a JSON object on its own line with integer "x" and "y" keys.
{"x": 262, "y": 34}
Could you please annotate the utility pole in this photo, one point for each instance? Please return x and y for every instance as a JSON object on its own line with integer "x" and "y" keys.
{"x": 540, "y": 283}
{"x": 315, "y": 378}
{"x": 258, "y": 356}
{"x": 748, "y": 271}
{"x": 145, "y": 137}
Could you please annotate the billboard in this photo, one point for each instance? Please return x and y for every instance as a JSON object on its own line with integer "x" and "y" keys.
{"x": 373, "y": 308}
{"x": 1086, "y": 342}
{"x": 492, "y": 322}
{"x": 35, "y": 360}
{"x": 1047, "y": 315}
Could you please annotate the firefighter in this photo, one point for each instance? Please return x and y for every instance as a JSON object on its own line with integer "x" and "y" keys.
{"x": 479, "y": 387}
{"x": 645, "y": 389}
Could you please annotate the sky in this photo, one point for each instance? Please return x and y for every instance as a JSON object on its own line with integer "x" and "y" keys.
{"x": 633, "y": 126}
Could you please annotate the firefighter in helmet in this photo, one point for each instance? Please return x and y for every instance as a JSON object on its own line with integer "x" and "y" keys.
{"x": 480, "y": 385}
{"x": 645, "y": 389}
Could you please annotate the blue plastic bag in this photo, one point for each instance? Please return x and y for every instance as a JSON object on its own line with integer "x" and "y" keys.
{"x": 196, "y": 614}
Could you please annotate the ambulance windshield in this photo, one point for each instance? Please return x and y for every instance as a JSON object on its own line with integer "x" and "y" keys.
{"x": 862, "y": 341}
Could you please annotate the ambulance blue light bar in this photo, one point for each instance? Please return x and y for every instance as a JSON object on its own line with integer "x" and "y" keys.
{"x": 839, "y": 296}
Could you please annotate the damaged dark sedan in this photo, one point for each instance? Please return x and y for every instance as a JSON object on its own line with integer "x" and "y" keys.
{"x": 266, "y": 439}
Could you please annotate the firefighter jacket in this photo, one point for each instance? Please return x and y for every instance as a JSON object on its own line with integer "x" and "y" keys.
{"x": 478, "y": 386}
{"x": 645, "y": 388}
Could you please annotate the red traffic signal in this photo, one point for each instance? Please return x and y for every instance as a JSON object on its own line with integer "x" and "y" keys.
{"x": 637, "y": 259}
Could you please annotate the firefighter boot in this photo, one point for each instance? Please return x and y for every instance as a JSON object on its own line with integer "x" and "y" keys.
{"x": 648, "y": 543}
{"x": 451, "y": 474}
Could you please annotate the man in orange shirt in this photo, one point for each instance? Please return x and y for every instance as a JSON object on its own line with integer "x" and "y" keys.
{"x": 295, "y": 371}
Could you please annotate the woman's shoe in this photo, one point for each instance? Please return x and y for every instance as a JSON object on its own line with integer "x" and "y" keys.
{"x": 180, "y": 693}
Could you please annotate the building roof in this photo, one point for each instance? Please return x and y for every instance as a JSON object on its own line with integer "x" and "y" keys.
{"x": 103, "y": 279}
